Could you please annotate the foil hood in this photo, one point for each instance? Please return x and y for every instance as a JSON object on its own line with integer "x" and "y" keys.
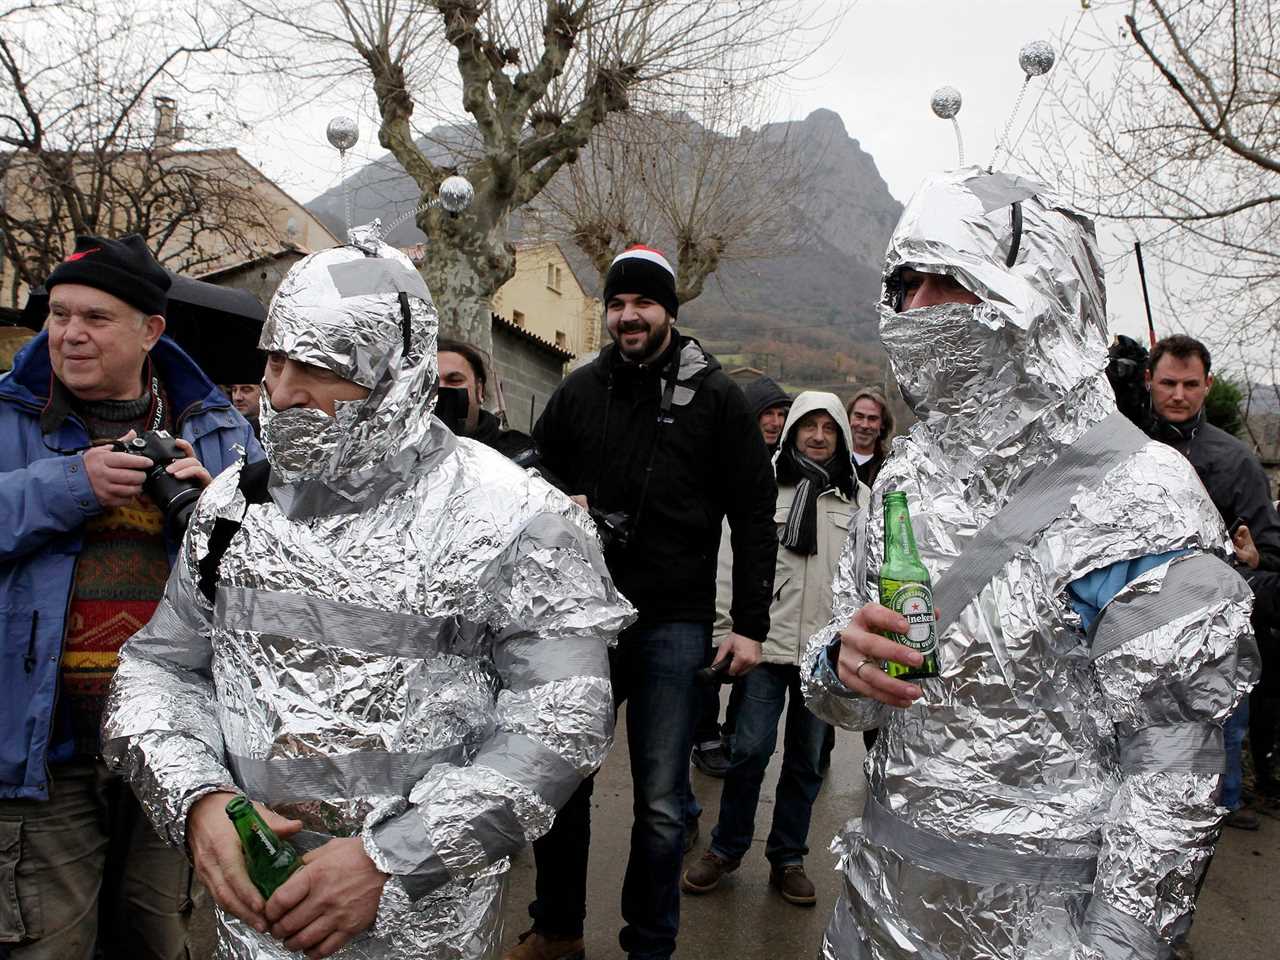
{"x": 353, "y": 310}
{"x": 980, "y": 376}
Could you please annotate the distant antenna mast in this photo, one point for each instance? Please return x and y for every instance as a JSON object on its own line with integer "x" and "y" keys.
{"x": 343, "y": 133}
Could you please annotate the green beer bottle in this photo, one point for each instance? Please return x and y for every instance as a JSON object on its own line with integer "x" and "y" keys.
{"x": 269, "y": 859}
{"x": 905, "y": 589}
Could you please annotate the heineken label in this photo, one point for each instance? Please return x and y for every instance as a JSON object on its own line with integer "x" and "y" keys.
{"x": 915, "y": 602}
{"x": 266, "y": 842}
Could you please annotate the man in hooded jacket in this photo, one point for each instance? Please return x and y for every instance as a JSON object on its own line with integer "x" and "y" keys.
{"x": 393, "y": 640}
{"x": 1053, "y": 792}
{"x": 818, "y": 495}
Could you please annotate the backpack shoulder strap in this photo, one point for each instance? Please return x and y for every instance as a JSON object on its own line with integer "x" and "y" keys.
{"x": 253, "y": 486}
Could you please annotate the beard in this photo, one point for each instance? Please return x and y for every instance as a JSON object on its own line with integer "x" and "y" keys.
{"x": 648, "y": 347}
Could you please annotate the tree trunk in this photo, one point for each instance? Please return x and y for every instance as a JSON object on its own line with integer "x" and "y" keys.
{"x": 464, "y": 269}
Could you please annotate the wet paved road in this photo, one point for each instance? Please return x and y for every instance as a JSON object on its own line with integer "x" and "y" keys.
{"x": 1238, "y": 919}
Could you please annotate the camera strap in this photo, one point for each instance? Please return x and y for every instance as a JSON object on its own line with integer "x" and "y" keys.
{"x": 664, "y": 419}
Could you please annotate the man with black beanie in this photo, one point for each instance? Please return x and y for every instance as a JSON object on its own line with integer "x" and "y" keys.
{"x": 84, "y": 556}
{"x": 657, "y": 441}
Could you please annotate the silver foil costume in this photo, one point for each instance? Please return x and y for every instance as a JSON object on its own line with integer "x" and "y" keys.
{"x": 408, "y": 640}
{"x": 1052, "y": 794}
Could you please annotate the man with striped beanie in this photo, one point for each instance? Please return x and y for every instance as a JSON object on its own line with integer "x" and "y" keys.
{"x": 661, "y": 446}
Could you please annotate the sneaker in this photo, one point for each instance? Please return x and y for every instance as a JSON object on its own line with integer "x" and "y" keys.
{"x": 711, "y": 759}
{"x": 691, "y": 833}
{"x": 1242, "y": 818}
{"x": 705, "y": 875}
{"x": 790, "y": 881}
{"x": 533, "y": 945}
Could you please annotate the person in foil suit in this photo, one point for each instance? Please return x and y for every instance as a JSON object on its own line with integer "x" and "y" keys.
{"x": 395, "y": 642}
{"x": 1053, "y": 793}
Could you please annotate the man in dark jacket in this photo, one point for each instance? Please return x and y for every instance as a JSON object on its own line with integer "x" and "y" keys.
{"x": 660, "y": 444}
{"x": 871, "y": 421}
{"x": 464, "y": 383}
{"x": 84, "y": 555}
{"x": 769, "y": 403}
{"x": 1179, "y": 380}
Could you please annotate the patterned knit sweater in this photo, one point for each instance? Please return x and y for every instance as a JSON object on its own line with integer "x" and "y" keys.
{"x": 119, "y": 579}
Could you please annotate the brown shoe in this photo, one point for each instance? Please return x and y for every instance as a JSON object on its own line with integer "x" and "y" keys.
{"x": 793, "y": 885}
{"x": 705, "y": 875}
{"x": 533, "y": 945}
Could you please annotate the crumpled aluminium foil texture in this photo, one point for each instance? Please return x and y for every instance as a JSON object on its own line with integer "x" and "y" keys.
{"x": 408, "y": 642}
{"x": 1030, "y": 752}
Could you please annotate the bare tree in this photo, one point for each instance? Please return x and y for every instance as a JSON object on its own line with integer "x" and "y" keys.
{"x": 1176, "y": 102}
{"x": 90, "y": 135}
{"x": 718, "y": 187}
{"x": 537, "y": 78}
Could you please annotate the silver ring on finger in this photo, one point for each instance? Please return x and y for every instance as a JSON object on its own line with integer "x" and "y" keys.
{"x": 858, "y": 669}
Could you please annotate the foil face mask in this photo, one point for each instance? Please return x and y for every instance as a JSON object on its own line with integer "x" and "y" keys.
{"x": 1034, "y": 802}
{"x": 352, "y": 312}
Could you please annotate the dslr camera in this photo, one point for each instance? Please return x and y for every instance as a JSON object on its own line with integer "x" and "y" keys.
{"x": 175, "y": 498}
{"x": 615, "y": 529}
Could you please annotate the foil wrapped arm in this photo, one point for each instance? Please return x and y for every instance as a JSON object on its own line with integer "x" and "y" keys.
{"x": 555, "y": 715}
{"x": 1173, "y": 654}
{"x": 824, "y": 694}
{"x": 160, "y": 727}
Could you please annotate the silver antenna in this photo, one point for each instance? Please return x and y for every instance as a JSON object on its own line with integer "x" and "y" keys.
{"x": 343, "y": 133}
{"x": 1036, "y": 59}
{"x": 456, "y": 194}
{"x": 945, "y": 103}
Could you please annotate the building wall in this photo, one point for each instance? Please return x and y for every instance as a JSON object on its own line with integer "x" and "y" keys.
{"x": 552, "y": 305}
{"x": 261, "y": 279}
{"x": 528, "y": 372}
{"x": 272, "y": 219}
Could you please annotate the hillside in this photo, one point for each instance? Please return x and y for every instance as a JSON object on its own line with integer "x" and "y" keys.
{"x": 807, "y": 317}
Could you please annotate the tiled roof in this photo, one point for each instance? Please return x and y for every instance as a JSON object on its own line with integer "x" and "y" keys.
{"x": 532, "y": 337}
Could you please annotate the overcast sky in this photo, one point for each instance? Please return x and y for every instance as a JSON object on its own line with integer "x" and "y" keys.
{"x": 877, "y": 73}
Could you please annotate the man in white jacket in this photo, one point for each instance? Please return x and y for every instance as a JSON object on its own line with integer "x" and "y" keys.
{"x": 818, "y": 493}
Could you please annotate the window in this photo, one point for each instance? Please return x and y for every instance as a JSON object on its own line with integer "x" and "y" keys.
{"x": 557, "y": 278}
{"x": 553, "y": 277}
{"x": 517, "y": 317}
{"x": 562, "y": 340}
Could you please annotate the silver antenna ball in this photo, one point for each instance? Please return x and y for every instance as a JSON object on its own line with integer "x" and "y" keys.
{"x": 456, "y": 194}
{"x": 1036, "y": 58}
{"x": 343, "y": 133}
{"x": 945, "y": 102}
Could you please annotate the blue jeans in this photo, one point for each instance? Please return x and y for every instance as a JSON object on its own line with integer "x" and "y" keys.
{"x": 652, "y": 670}
{"x": 765, "y": 690}
{"x": 1233, "y": 732}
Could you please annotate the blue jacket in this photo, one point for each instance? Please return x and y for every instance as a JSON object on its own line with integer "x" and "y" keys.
{"x": 45, "y": 498}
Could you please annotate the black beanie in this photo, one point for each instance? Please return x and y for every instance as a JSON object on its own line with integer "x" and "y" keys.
{"x": 123, "y": 268}
{"x": 643, "y": 270}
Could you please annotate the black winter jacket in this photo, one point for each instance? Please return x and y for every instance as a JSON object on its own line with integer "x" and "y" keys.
{"x": 1239, "y": 488}
{"x": 597, "y": 435}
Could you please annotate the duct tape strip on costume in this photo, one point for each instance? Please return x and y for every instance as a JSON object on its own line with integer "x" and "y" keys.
{"x": 966, "y": 861}
{"x": 1195, "y": 584}
{"x": 1194, "y": 748}
{"x": 529, "y": 762}
{"x": 1115, "y": 935}
{"x": 336, "y": 624}
{"x": 1045, "y": 498}
{"x": 367, "y": 773}
{"x": 374, "y": 276}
